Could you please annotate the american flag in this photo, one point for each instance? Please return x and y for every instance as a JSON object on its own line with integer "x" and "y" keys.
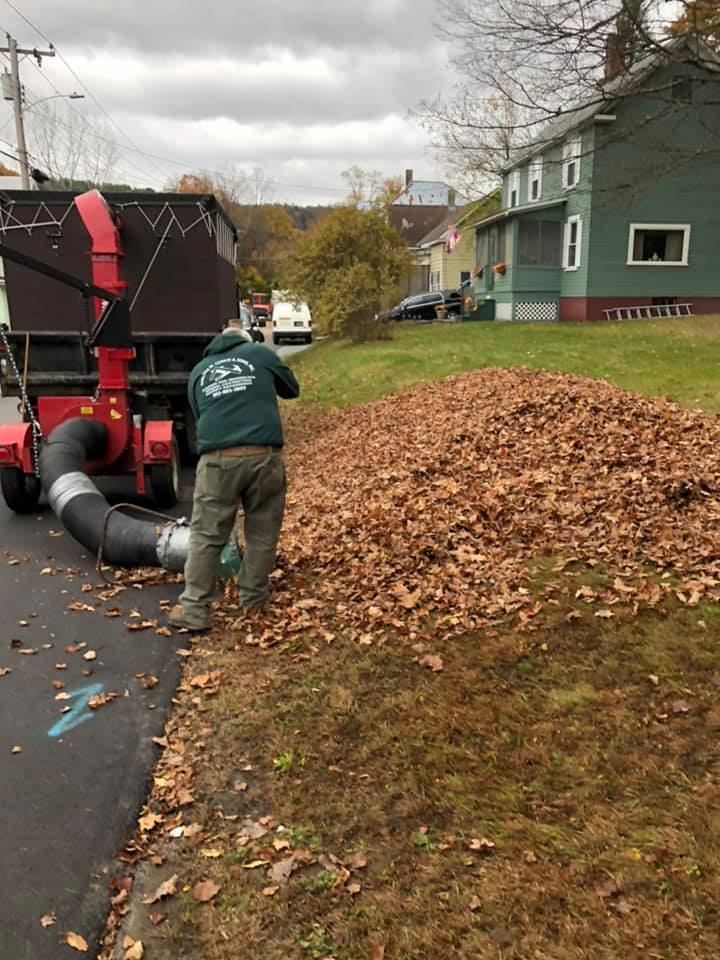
{"x": 453, "y": 238}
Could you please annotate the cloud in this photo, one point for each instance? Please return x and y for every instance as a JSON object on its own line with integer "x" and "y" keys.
{"x": 277, "y": 86}
{"x": 235, "y": 28}
{"x": 303, "y": 90}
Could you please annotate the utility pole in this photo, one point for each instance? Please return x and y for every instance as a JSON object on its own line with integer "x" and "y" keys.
{"x": 13, "y": 49}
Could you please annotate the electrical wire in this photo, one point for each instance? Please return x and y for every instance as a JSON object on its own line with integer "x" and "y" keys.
{"x": 81, "y": 82}
{"x": 138, "y": 171}
{"x": 153, "y": 156}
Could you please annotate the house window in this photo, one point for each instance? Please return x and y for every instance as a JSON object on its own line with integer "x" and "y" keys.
{"x": 539, "y": 243}
{"x": 515, "y": 188}
{"x": 434, "y": 280}
{"x": 661, "y": 244}
{"x": 502, "y": 245}
{"x": 573, "y": 239}
{"x": 535, "y": 179}
{"x": 464, "y": 277}
{"x": 571, "y": 162}
{"x": 481, "y": 248}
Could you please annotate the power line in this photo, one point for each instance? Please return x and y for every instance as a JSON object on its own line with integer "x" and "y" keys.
{"x": 153, "y": 156}
{"x": 136, "y": 170}
{"x": 79, "y": 80}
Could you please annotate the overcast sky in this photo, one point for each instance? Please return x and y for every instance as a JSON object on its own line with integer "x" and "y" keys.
{"x": 299, "y": 88}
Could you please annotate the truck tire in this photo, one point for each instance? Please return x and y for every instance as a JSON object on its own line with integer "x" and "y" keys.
{"x": 276, "y": 339}
{"x": 21, "y": 491}
{"x": 165, "y": 479}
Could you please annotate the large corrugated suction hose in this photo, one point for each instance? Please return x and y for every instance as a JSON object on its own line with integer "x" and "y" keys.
{"x": 82, "y": 509}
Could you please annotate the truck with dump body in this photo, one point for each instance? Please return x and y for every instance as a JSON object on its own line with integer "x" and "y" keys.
{"x": 260, "y": 305}
{"x": 178, "y": 264}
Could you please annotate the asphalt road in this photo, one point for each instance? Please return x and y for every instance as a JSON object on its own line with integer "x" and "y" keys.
{"x": 70, "y": 795}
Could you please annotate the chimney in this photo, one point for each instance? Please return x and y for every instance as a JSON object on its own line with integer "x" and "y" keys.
{"x": 408, "y": 178}
{"x": 614, "y": 56}
{"x": 452, "y": 194}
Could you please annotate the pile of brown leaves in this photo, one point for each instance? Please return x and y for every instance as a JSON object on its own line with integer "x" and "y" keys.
{"x": 421, "y": 511}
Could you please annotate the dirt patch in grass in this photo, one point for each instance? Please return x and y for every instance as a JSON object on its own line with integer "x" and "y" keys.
{"x": 552, "y": 797}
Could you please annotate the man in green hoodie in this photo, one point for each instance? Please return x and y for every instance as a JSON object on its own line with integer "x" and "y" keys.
{"x": 233, "y": 393}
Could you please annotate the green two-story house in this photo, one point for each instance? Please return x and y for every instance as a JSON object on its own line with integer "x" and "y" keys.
{"x": 615, "y": 208}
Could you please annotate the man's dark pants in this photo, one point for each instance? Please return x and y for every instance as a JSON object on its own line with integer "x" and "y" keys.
{"x": 223, "y": 483}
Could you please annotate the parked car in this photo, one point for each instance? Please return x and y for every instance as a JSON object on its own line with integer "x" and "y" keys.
{"x": 291, "y": 321}
{"x": 423, "y": 305}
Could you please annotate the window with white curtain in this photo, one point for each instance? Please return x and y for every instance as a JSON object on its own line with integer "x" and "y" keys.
{"x": 662, "y": 244}
{"x": 573, "y": 240}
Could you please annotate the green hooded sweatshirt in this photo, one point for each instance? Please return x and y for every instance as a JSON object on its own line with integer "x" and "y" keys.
{"x": 233, "y": 393}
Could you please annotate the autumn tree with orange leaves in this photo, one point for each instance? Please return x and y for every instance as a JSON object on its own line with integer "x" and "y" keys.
{"x": 701, "y": 17}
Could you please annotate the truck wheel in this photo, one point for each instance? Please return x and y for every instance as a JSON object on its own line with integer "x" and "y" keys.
{"x": 165, "y": 479}
{"x": 20, "y": 490}
{"x": 276, "y": 339}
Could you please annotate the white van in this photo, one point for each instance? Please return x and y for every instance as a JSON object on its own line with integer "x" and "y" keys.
{"x": 291, "y": 321}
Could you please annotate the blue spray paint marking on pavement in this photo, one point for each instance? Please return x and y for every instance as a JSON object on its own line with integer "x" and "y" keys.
{"x": 79, "y": 712}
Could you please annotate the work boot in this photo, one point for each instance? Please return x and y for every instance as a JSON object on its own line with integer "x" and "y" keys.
{"x": 181, "y": 621}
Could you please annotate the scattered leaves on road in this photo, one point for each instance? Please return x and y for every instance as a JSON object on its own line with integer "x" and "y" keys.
{"x": 75, "y": 941}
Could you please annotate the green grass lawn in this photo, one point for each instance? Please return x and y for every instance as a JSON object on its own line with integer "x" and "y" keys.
{"x": 676, "y": 358}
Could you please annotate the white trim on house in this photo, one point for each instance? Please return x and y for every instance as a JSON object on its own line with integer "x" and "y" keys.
{"x": 685, "y": 227}
{"x": 577, "y": 244}
{"x": 535, "y": 176}
{"x": 571, "y": 151}
{"x": 514, "y": 188}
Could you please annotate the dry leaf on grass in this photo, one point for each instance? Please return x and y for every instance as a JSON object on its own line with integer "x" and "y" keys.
{"x": 482, "y": 845}
{"x": 281, "y": 870}
{"x": 205, "y": 890}
{"x": 48, "y": 919}
{"x": 166, "y": 889}
{"x": 135, "y": 951}
{"x": 432, "y": 662}
{"x": 606, "y": 888}
{"x": 148, "y": 821}
{"x": 356, "y": 862}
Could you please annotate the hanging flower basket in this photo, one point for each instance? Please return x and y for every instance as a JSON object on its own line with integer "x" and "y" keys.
{"x": 500, "y": 268}
{"x": 477, "y": 272}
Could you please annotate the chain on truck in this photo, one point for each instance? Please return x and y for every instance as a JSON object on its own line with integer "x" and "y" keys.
{"x": 159, "y": 283}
